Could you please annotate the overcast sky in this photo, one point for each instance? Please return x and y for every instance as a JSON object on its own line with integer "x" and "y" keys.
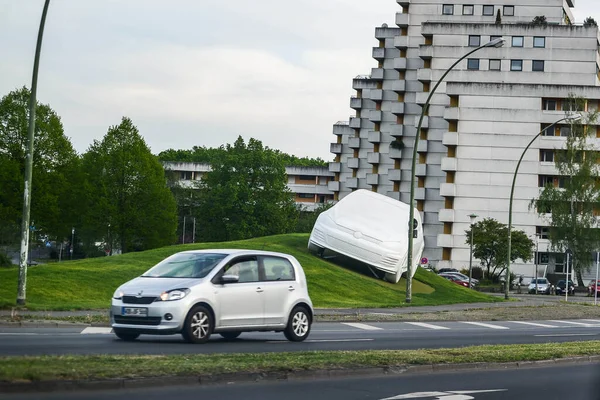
{"x": 199, "y": 72}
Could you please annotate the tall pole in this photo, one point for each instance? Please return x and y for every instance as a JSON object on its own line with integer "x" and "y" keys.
{"x": 510, "y": 201}
{"x": 194, "y": 232}
{"x": 567, "y": 278}
{"x": 472, "y": 217}
{"x": 409, "y": 261}
{"x": 183, "y": 231}
{"x": 537, "y": 254}
{"x": 596, "y": 284}
{"x": 22, "y": 288}
{"x": 72, "y": 242}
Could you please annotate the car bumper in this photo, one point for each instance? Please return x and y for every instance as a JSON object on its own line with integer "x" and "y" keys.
{"x": 161, "y": 317}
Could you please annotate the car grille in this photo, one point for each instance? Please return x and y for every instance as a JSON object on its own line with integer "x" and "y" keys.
{"x": 138, "y": 300}
{"x": 119, "y": 319}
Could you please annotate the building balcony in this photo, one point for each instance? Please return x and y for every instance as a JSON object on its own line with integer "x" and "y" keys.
{"x": 363, "y": 82}
{"x": 334, "y": 186}
{"x": 395, "y": 175}
{"x": 399, "y": 86}
{"x": 449, "y": 164}
{"x": 335, "y": 148}
{"x": 373, "y": 158}
{"x": 386, "y": 33}
{"x": 379, "y": 53}
{"x": 377, "y": 74}
{"x": 372, "y": 179}
{"x": 422, "y": 146}
{"x": 397, "y": 108}
{"x": 424, "y": 75}
{"x": 448, "y": 190}
{"x": 402, "y": 20}
{"x": 421, "y": 98}
{"x": 352, "y": 183}
{"x": 450, "y": 139}
{"x": 405, "y": 2}
{"x": 395, "y": 153}
{"x": 446, "y": 215}
{"x": 394, "y": 195}
{"x": 445, "y": 240}
{"x": 355, "y": 123}
{"x": 354, "y": 142}
{"x": 419, "y": 193}
{"x": 375, "y": 116}
{"x": 451, "y": 114}
{"x": 335, "y": 167}
{"x": 397, "y": 130}
{"x": 376, "y": 94}
{"x": 353, "y": 163}
{"x": 400, "y": 64}
{"x": 374, "y": 137}
{"x": 421, "y": 170}
{"x": 356, "y": 103}
{"x": 426, "y": 51}
{"x": 401, "y": 42}
{"x": 424, "y": 124}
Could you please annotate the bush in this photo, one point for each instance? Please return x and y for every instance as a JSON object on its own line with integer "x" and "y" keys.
{"x": 5, "y": 261}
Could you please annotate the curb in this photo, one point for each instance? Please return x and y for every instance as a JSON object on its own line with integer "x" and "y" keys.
{"x": 282, "y": 376}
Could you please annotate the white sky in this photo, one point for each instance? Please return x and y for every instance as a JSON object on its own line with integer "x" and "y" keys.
{"x": 200, "y": 72}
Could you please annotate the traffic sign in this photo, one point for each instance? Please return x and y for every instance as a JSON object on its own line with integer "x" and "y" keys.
{"x": 424, "y": 260}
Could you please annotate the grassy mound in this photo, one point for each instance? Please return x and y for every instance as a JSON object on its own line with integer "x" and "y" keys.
{"x": 89, "y": 284}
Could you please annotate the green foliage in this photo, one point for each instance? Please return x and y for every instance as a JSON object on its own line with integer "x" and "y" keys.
{"x": 573, "y": 224}
{"x": 307, "y": 219}
{"x": 589, "y": 22}
{"x": 245, "y": 194}
{"x": 490, "y": 246}
{"x": 126, "y": 200}
{"x": 4, "y": 260}
{"x": 539, "y": 20}
{"x": 397, "y": 144}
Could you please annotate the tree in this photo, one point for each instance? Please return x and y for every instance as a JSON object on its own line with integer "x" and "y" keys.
{"x": 128, "y": 202}
{"x": 589, "y": 22}
{"x": 572, "y": 203}
{"x": 539, "y": 20}
{"x": 53, "y": 161}
{"x": 245, "y": 194}
{"x": 490, "y": 246}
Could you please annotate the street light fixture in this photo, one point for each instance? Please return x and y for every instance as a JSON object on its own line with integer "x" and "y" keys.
{"x": 570, "y": 118}
{"x": 498, "y": 42}
{"x": 472, "y": 216}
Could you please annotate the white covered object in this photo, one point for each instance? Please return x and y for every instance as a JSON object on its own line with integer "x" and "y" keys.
{"x": 371, "y": 228}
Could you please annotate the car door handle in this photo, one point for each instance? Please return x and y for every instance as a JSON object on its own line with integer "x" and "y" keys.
{"x": 291, "y": 288}
{"x": 259, "y": 290}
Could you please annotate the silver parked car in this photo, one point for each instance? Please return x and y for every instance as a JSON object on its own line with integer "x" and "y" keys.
{"x": 197, "y": 293}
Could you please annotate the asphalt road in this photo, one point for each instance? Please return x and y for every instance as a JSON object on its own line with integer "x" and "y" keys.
{"x": 324, "y": 336}
{"x": 572, "y": 382}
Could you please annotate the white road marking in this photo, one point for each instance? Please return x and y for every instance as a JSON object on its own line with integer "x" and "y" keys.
{"x": 362, "y": 326}
{"x": 429, "y": 326}
{"x": 455, "y": 394}
{"x": 534, "y": 324}
{"x": 597, "y": 321}
{"x": 572, "y": 323}
{"x": 94, "y": 330}
{"x": 567, "y": 334}
{"x": 485, "y": 325}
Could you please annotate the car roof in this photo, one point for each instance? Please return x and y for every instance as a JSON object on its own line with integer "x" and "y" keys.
{"x": 237, "y": 252}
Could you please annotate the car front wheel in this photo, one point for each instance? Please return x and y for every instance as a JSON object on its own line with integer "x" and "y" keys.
{"x": 198, "y": 325}
{"x": 298, "y": 326}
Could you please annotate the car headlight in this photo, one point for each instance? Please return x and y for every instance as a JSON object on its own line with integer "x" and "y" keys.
{"x": 175, "y": 294}
{"x": 118, "y": 295}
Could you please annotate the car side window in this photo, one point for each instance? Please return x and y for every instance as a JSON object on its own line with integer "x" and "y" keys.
{"x": 246, "y": 269}
{"x": 278, "y": 269}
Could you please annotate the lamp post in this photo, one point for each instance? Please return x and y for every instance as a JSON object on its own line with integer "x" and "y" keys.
{"x": 499, "y": 42}
{"x": 571, "y": 118}
{"x": 472, "y": 216}
{"x": 537, "y": 254}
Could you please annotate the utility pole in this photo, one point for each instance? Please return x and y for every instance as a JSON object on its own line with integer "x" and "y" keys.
{"x": 22, "y": 285}
{"x": 194, "y": 232}
{"x": 183, "y": 232}
{"x": 537, "y": 254}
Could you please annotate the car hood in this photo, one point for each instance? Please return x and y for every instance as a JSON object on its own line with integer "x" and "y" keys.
{"x": 155, "y": 286}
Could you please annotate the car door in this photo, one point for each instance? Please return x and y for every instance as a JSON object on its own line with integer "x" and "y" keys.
{"x": 240, "y": 303}
{"x": 280, "y": 285}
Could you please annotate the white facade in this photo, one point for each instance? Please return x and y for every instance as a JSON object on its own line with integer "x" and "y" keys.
{"x": 479, "y": 120}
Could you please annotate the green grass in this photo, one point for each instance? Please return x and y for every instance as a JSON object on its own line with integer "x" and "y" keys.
{"x": 39, "y": 368}
{"x": 90, "y": 283}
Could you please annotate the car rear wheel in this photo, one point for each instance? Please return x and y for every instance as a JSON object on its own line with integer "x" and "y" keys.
{"x": 230, "y": 335}
{"x": 298, "y": 326}
{"x": 198, "y": 325}
{"x": 126, "y": 336}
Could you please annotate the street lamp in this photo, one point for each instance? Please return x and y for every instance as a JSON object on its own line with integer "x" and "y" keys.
{"x": 498, "y": 42}
{"x": 472, "y": 216}
{"x": 570, "y": 118}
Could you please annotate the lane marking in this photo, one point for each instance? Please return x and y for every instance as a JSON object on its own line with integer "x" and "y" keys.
{"x": 362, "y": 326}
{"x": 534, "y": 324}
{"x": 95, "y": 330}
{"x": 597, "y": 321}
{"x": 429, "y": 326}
{"x": 485, "y": 325}
{"x": 567, "y": 334}
{"x": 573, "y": 323}
{"x": 322, "y": 341}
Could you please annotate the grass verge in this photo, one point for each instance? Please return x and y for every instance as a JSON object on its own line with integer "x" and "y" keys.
{"x": 14, "y": 369}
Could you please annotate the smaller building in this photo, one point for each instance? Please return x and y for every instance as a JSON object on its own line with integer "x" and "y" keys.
{"x": 309, "y": 184}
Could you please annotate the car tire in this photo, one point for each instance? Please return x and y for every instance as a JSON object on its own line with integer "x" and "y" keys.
{"x": 198, "y": 326}
{"x": 230, "y": 335}
{"x": 125, "y": 335}
{"x": 298, "y": 326}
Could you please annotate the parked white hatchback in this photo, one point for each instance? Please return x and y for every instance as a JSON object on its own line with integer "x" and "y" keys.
{"x": 197, "y": 293}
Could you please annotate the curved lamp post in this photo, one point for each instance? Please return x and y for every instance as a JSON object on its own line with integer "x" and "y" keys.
{"x": 472, "y": 217}
{"x": 499, "y": 42}
{"x": 571, "y": 118}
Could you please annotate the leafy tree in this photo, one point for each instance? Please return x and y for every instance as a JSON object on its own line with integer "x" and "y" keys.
{"x": 490, "y": 246}
{"x": 573, "y": 203}
{"x": 128, "y": 203}
{"x": 307, "y": 219}
{"x": 245, "y": 194}
{"x": 53, "y": 162}
{"x": 589, "y": 21}
{"x": 539, "y": 20}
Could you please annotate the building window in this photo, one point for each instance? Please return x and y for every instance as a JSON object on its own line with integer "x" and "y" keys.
{"x": 488, "y": 10}
{"x": 565, "y": 131}
{"x": 468, "y": 9}
{"x": 547, "y": 155}
{"x": 509, "y": 11}
{"x": 547, "y": 130}
{"x": 543, "y": 232}
{"x": 545, "y": 180}
{"x": 474, "y": 40}
{"x": 495, "y": 65}
{"x": 517, "y": 41}
{"x": 186, "y": 175}
{"x": 538, "y": 65}
{"x": 549, "y": 105}
{"x": 473, "y": 63}
{"x": 539, "y": 41}
{"x": 494, "y": 37}
{"x": 306, "y": 196}
{"x": 448, "y": 9}
{"x": 307, "y": 177}
{"x": 516, "y": 65}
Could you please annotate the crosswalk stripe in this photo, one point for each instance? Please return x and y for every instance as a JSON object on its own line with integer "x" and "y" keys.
{"x": 362, "y": 326}
{"x": 486, "y": 325}
{"x": 572, "y": 323}
{"x": 429, "y": 326}
{"x": 534, "y": 324}
{"x": 93, "y": 330}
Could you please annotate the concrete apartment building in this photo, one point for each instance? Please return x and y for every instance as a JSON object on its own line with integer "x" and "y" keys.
{"x": 480, "y": 119}
{"x": 309, "y": 184}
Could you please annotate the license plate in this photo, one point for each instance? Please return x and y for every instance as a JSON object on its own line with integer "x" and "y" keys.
{"x": 134, "y": 311}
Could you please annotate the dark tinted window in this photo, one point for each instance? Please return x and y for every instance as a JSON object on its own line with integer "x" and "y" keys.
{"x": 278, "y": 269}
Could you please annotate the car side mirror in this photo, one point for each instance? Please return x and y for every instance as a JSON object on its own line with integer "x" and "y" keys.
{"x": 229, "y": 279}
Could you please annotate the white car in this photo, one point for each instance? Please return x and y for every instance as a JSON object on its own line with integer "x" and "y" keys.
{"x": 371, "y": 228}
{"x": 197, "y": 293}
{"x": 543, "y": 286}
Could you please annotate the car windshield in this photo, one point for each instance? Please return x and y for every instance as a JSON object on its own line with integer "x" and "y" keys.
{"x": 185, "y": 265}
{"x": 540, "y": 281}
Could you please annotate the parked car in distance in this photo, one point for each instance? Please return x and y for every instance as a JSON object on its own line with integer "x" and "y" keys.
{"x": 543, "y": 286}
{"x": 463, "y": 277}
{"x": 444, "y": 270}
{"x": 561, "y": 287}
{"x": 455, "y": 279}
{"x": 592, "y": 288}
{"x": 197, "y": 293}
